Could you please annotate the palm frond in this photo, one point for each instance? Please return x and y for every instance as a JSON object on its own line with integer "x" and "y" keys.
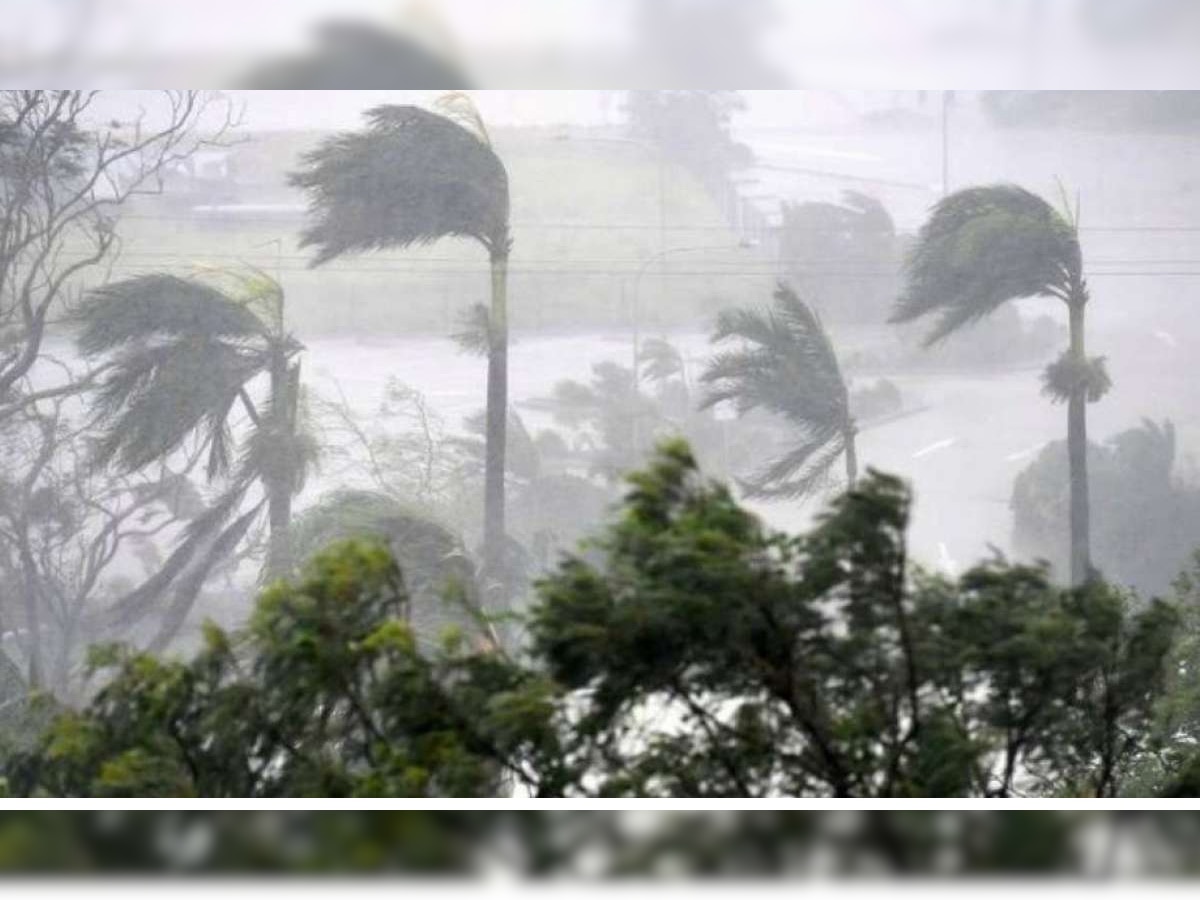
{"x": 982, "y": 247}
{"x": 155, "y": 397}
{"x": 189, "y": 584}
{"x": 1066, "y": 375}
{"x": 181, "y": 350}
{"x": 798, "y": 473}
{"x": 282, "y": 447}
{"x": 411, "y": 178}
{"x": 148, "y": 307}
{"x": 198, "y": 534}
{"x": 220, "y": 438}
{"x": 785, "y": 364}
{"x": 257, "y": 291}
{"x": 459, "y": 107}
{"x": 474, "y": 335}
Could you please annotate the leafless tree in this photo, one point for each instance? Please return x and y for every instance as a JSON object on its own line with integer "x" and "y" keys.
{"x": 71, "y": 534}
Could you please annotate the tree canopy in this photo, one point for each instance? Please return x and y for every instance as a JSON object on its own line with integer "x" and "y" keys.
{"x": 694, "y": 652}
{"x": 411, "y": 177}
{"x": 982, "y": 247}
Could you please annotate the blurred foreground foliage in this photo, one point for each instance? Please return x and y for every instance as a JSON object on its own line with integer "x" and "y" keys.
{"x": 601, "y": 844}
{"x": 691, "y": 652}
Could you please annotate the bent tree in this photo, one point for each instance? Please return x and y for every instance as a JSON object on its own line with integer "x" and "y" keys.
{"x": 687, "y": 651}
{"x": 785, "y": 364}
{"x": 70, "y": 164}
{"x": 182, "y": 354}
{"x": 414, "y": 177}
{"x": 985, "y": 246}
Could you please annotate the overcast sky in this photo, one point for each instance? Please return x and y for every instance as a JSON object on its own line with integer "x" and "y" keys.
{"x": 891, "y": 44}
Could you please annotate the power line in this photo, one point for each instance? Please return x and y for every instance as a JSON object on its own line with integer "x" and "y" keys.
{"x": 212, "y": 218}
{"x": 405, "y": 269}
{"x": 570, "y": 264}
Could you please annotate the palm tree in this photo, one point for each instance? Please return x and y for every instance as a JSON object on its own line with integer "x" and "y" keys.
{"x": 183, "y": 353}
{"x": 786, "y": 365}
{"x": 413, "y": 177}
{"x": 985, "y": 246}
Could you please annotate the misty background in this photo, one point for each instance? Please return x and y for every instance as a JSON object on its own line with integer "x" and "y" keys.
{"x": 589, "y": 212}
{"x": 636, "y": 218}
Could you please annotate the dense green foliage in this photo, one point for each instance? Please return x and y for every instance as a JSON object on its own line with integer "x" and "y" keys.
{"x": 693, "y": 653}
{"x": 326, "y": 694}
{"x": 601, "y": 843}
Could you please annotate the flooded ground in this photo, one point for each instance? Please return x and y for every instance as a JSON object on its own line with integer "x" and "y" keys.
{"x": 973, "y": 433}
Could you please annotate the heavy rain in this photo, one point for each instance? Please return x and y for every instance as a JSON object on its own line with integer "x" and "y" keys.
{"x": 794, "y": 441}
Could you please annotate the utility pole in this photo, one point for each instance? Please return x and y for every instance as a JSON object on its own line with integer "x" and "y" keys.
{"x": 947, "y": 99}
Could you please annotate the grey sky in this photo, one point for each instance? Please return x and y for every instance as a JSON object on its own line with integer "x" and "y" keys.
{"x": 896, "y": 44}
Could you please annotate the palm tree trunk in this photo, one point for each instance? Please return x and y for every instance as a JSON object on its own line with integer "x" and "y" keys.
{"x": 279, "y": 515}
{"x": 851, "y": 458}
{"x": 497, "y": 431}
{"x": 1077, "y": 442}
{"x": 280, "y": 478}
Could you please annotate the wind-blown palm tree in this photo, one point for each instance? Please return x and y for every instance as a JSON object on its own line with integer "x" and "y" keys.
{"x": 985, "y": 246}
{"x": 786, "y": 365}
{"x": 413, "y": 177}
{"x": 183, "y": 353}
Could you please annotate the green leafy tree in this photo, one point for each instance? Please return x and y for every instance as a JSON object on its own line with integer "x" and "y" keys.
{"x": 439, "y": 574}
{"x": 692, "y": 653}
{"x": 325, "y": 694}
{"x": 183, "y": 353}
{"x": 708, "y": 656}
{"x": 985, "y": 246}
{"x": 1172, "y": 767}
{"x": 786, "y": 365}
{"x": 413, "y": 177}
{"x": 598, "y": 844}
